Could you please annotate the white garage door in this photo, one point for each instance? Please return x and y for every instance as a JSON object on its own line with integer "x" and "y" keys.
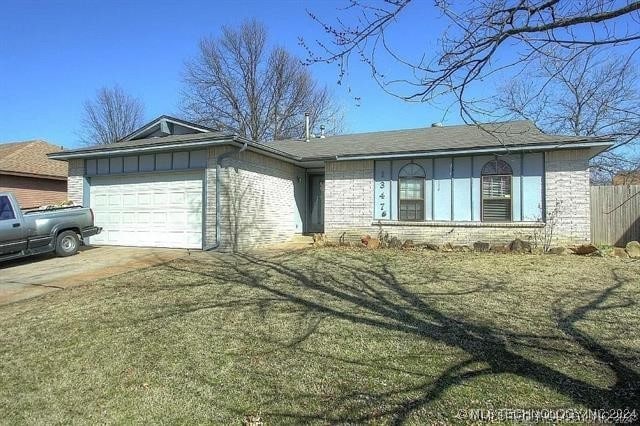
{"x": 154, "y": 210}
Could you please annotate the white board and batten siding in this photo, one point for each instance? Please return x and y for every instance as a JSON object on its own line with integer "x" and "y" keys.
{"x": 148, "y": 210}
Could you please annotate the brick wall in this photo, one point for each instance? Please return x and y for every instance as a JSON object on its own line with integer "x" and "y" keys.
{"x": 257, "y": 200}
{"x": 34, "y": 192}
{"x": 258, "y": 203}
{"x": 349, "y": 206}
{"x": 567, "y": 194}
{"x": 75, "y": 181}
{"x": 348, "y": 194}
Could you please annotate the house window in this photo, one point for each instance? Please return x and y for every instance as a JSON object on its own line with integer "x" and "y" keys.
{"x": 411, "y": 192}
{"x": 496, "y": 191}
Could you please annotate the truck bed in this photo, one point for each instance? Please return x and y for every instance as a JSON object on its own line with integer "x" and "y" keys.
{"x": 48, "y": 210}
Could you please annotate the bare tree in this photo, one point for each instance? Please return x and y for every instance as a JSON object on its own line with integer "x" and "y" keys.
{"x": 594, "y": 94}
{"x": 112, "y": 115}
{"x": 615, "y": 167}
{"x": 484, "y": 38}
{"x": 262, "y": 93}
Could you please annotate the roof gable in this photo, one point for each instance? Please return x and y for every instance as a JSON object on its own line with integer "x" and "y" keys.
{"x": 166, "y": 125}
{"x": 29, "y": 158}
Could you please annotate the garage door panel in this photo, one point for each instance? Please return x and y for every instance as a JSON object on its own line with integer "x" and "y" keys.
{"x": 129, "y": 218}
{"x": 162, "y": 210}
{"x": 193, "y": 198}
{"x": 194, "y": 219}
{"x": 129, "y": 199}
{"x": 177, "y": 198}
{"x": 99, "y": 200}
{"x": 113, "y": 218}
{"x": 193, "y": 238}
{"x": 144, "y": 218}
{"x": 179, "y": 218}
{"x": 144, "y": 199}
{"x": 160, "y": 199}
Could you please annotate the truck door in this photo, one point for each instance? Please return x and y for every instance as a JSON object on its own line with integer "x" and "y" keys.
{"x": 12, "y": 238}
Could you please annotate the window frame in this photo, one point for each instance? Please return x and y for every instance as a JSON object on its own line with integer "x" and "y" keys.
{"x": 497, "y": 172}
{"x": 419, "y": 176}
{"x": 11, "y": 209}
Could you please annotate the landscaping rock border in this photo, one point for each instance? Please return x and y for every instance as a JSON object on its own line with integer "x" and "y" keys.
{"x": 516, "y": 246}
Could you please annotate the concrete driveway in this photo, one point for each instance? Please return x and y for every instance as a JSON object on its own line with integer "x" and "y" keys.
{"x": 36, "y": 275}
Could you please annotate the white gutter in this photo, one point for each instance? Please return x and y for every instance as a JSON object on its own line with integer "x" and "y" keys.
{"x": 300, "y": 160}
{"x": 472, "y": 151}
{"x": 135, "y": 149}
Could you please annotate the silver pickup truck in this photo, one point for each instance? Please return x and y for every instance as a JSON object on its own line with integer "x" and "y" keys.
{"x": 41, "y": 231}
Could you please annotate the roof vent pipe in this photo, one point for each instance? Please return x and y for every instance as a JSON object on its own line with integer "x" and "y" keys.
{"x": 436, "y": 124}
{"x": 322, "y": 131}
{"x": 307, "y": 131}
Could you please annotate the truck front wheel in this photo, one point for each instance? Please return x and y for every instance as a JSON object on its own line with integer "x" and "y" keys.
{"x": 67, "y": 243}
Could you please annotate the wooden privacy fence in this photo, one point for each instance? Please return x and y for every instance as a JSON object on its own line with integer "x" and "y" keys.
{"x": 615, "y": 214}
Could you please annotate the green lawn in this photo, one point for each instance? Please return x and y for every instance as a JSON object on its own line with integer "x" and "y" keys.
{"x": 326, "y": 336}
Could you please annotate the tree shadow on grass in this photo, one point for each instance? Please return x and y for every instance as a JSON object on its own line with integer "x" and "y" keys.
{"x": 372, "y": 295}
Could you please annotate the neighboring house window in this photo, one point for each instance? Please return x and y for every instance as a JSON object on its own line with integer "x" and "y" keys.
{"x": 496, "y": 191}
{"x": 6, "y": 211}
{"x": 411, "y": 189}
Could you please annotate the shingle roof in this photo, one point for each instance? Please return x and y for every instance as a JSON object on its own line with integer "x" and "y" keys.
{"x": 449, "y": 138}
{"x": 424, "y": 140}
{"x": 30, "y": 158}
{"x": 165, "y": 140}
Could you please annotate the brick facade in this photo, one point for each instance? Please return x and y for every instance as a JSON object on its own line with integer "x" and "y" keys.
{"x": 263, "y": 201}
{"x": 348, "y": 196}
{"x": 349, "y": 206}
{"x": 34, "y": 192}
{"x": 258, "y": 200}
{"x": 75, "y": 181}
{"x": 567, "y": 194}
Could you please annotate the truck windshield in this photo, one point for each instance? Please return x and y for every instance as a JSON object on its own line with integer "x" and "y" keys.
{"x": 6, "y": 211}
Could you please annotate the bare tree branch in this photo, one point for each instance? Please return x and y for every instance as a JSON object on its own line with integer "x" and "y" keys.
{"x": 484, "y": 37}
{"x": 595, "y": 94}
{"x": 111, "y": 116}
{"x": 237, "y": 82}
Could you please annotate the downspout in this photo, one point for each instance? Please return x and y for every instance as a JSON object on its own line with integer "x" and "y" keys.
{"x": 219, "y": 160}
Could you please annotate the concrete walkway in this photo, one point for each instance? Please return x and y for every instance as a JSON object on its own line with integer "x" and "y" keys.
{"x": 36, "y": 275}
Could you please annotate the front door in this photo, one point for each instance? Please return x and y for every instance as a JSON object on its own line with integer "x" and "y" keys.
{"x": 316, "y": 203}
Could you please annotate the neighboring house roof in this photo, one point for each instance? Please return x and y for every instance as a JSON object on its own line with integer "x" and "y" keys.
{"x": 446, "y": 140}
{"x": 627, "y": 178}
{"x": 29, "y": 158}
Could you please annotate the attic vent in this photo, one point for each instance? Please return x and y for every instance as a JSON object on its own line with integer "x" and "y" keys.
{"x": 436, "y": 124}
{"x": 165, "y": 128}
